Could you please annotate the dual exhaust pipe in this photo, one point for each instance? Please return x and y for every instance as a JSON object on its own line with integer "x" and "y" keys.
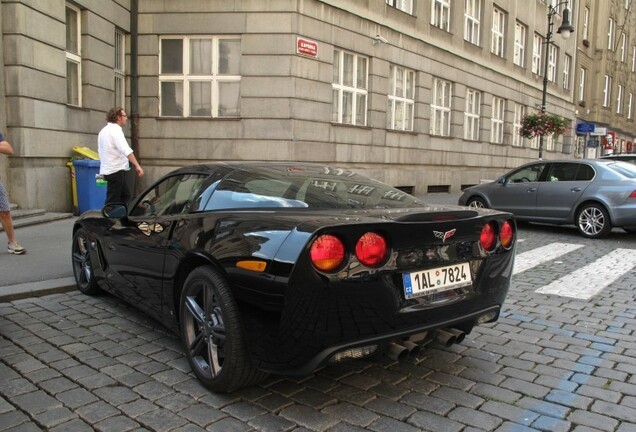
{"x": 446, "y": 336}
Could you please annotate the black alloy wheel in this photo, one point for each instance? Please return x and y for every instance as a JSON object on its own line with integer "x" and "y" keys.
{"x": 212, "y": 333}
{"x": 82, "y": 265}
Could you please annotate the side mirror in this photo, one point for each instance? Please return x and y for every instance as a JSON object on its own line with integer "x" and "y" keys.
{"x": 501, "y": 180}
{"x": 115, "y": 211}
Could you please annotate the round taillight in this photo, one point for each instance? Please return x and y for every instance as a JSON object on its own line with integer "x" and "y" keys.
{"x": 371, "y": 249}
{"x": 487, "y": 238}
{"x": 327, "y": 253}
{"x": 506, "y": 235}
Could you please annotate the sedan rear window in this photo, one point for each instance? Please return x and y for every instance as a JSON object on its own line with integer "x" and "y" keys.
{"x": 625, "y": 169}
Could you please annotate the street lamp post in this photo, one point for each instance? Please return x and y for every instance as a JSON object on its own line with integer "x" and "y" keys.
{"x": 565, "y": 30}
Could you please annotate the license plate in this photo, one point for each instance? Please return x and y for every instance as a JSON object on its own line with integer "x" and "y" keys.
{"x": 436, "y": 280}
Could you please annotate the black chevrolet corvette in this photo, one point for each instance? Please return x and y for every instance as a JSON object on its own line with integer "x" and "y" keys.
{"x": 285, "y": 267}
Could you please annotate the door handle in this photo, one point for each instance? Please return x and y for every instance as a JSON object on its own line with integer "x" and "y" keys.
{"x": 531, "y": 190}
{"x": 576, "y": 189}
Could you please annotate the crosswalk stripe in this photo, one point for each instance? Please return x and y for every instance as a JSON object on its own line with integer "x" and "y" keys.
{"x": 534, "y": 257}
{"x": 592, "y": 278}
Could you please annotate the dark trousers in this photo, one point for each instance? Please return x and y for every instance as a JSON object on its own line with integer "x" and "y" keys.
{"x": 117, "y": 189}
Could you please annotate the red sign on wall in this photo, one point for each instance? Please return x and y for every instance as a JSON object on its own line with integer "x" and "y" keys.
{"x": 306, "y": 47}
{"x": 609, "y": 140}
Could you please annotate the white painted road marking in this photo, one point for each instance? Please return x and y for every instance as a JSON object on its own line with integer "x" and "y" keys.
{"x": 534, "y": 257}
{"x": 588, "y": 281}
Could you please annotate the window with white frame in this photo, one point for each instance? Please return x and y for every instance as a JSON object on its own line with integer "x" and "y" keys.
{"x": 520, "y": 113}
{"x": 401, "y": 100}
{"x": 623, "y": 47}
{"x": 472, "y": 19}
{"x": 607, "y": 91}
{"x": 441, "y": 107}
{"x": 552, "y": 63}
{"x": 403, "y": 5}
{"x": 471, "y": 115}
{"x": 582, "y": 77}
{"x": 520, "y": 44}
{"x": 120, "y": 68}
{"x": 549, "y": 142}
{"x": 498, "y": 28}
{"x": 556, "y": 5}
{"x": 350, "y": 88}
{"x": 630, "y": 100}
{"x": 73, "y": 56}
{"x": 611, "y": 32}
{"x": 440, "y": 14}
{"x": 497, "y": 120}
{"x": 537, "y": 49}
{"x": 619, "y": 99}
{"x": 586, "y": 23}
{"x": 199, "y": 76}
{"x": 567, "y": 65}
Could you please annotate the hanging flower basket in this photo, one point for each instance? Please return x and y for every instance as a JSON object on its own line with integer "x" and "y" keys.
{"x": 534, "y": 125}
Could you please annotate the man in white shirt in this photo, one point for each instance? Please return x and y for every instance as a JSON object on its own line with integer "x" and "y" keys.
{"x": 115, "y": 155}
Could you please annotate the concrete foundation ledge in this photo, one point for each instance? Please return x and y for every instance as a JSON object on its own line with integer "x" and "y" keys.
{"x": 36, "y": 289}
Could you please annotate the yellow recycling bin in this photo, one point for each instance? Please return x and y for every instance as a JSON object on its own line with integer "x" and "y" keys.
{"x": 82, "y": 153}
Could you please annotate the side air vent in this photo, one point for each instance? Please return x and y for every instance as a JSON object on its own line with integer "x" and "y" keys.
{"x": 438, "y": 188}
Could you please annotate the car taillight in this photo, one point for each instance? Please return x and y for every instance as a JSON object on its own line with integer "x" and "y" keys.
{"x": 506, "y": 234}
{"x": 327, "y": 253}
{"x": 371, "y": 249}
{"x": 488, "y": 238}
{"x": 633, "y": 194}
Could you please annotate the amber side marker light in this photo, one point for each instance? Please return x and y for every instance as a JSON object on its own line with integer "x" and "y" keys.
{"x": 327, "y": 253}
{"x": 257, "y": 266}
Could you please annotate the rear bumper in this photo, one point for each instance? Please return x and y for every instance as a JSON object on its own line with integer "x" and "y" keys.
{"x": 322, "y": 317}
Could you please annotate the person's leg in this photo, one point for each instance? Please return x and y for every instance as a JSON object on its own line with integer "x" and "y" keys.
{"x": 7, "y": 223}
{"x": 114, "y": 187}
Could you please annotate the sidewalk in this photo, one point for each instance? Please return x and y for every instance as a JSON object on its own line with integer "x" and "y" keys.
{"x": 46, "y": 267}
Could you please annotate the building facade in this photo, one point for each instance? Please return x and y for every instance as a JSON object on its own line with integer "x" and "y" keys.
{"x": 427, "y": 95}
{"x": 606, "y": 77}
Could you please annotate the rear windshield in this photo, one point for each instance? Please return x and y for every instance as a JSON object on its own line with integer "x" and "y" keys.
{"x": 624, "y": 168}
{"x": 306, "y": 188}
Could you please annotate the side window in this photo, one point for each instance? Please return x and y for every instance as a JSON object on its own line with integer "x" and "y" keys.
{"x": 527, "y": 174}
{"x": 563, "y": 172}
{"x": 172, "y": 195}
{"x": 585, "y": 173}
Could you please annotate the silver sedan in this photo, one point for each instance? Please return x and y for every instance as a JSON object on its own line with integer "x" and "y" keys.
{"x": 593, "y": 194}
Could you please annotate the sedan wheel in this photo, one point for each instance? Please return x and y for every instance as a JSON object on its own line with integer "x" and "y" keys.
{"x": 82, "y": 266}
{"x": 593, "y": 221}
{"x": 477, "y": 202}
{"x": 212, "y": 333}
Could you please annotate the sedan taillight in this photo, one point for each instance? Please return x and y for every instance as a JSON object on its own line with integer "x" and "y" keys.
{"x": 633, "y": 194}
{"x": 371, "y": 249}
{"x": 327, "y": 253}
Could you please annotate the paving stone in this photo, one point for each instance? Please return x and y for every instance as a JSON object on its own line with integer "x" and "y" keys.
{"x": 475, "y": 418}
{"x": 244, "y": 411}
{"x": 54, "y": 417}
{"x": 274, "y": 402}
{"x": 543, "y": 407}
{"x": 12, "y": 419}
{"x": 201, "y": 414}
{"x": 161, "y": 420}
{"x": 229, "y": 424}
{"x": 458, "y": 397}
{"x": 97, "y": 411}
{"x": 116, "y": 395}
{"x": 619, "y": 412}
{"x": 75, "y": 425}
{"x": 351, "y": 414}
{"x": 390, "y": 408}
{"x": 272, "y": 423}
{"x": 36, "y": 402}
{"x": 569, "y": 399}
{"x": 488, "y": 391}
{"x": 308, "y": 417}
{"x": 525, "y": 387}
{"x": 429, "y": 421}
{"x": 384, "y": 424}
{"x": 116, "y": 424}
{"x": 597, "y": 421}
{"x": 510, "y": 412}
{"x": 138, "y": 407}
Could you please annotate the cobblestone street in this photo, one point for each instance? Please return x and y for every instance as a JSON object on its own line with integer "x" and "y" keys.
{"x": 69, "y": 362}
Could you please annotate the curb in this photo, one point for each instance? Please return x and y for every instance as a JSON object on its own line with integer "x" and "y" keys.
{"x": 36, "y": 289}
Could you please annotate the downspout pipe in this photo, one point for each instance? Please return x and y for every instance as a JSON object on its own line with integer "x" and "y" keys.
{"x": 134, "y": 77}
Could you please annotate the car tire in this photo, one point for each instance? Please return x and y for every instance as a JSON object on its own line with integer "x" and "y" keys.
{"x": 82, "y": 264}
{"x": 212, "y": 333}
{"x": 476, "y": 202}
{"x": 592, "y": 221}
